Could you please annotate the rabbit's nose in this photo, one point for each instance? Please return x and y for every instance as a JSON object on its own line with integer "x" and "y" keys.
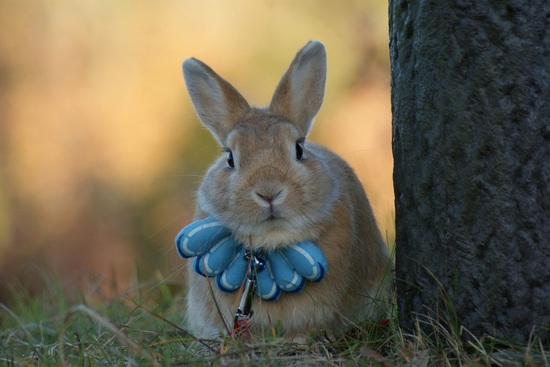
{"x": 268, "y": 198}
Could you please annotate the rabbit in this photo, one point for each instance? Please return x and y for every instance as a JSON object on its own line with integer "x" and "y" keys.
{"x": 273, "y": 188}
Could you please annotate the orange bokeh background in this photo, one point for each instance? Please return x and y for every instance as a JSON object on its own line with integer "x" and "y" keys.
{"x": 100, "y": 150}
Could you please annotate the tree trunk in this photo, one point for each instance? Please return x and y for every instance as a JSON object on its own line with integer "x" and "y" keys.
{"x": 471, "y": 142}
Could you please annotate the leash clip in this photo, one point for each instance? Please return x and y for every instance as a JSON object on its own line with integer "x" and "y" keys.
{"x": 244, "y": 311}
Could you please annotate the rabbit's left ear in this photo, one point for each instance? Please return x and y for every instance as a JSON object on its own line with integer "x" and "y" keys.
{"x": 217, "y": 103}
{"x": 300, "y": 92}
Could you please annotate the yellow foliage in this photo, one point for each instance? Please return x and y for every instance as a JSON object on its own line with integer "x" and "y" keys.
{"x": 99, "y": 147}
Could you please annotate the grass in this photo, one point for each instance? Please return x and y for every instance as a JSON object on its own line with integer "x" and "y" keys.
{"x": 144, "y": 326}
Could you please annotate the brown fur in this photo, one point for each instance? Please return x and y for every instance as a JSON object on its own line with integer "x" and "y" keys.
{"x": 318, "y": 198}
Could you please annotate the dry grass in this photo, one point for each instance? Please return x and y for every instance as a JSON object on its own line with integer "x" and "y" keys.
{"x": 144, "y": 326}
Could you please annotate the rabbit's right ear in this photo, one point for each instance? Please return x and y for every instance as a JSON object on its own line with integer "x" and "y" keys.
{"x": 217, "y": 103}
{"x": 299, "y": 95}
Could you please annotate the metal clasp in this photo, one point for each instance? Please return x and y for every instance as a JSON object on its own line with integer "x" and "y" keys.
{"x": 244, "y": 311}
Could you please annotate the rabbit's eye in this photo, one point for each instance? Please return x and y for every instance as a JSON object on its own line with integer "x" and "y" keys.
{"x": 299, "y": 150}
{"x": 230, "y": 161}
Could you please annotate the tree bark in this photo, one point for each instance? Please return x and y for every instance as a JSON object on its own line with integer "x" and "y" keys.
{"x": 471, "y": 140}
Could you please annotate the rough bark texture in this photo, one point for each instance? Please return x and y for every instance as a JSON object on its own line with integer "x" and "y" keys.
{"x": 471, "y": 140}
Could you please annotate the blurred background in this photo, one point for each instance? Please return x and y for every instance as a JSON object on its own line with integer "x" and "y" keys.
{"x": 100, "y": 149}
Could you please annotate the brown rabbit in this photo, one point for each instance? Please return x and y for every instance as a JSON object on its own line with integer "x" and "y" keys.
{"x": 272, "y": 189}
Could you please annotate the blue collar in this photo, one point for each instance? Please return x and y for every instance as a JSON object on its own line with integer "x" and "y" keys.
{"x": 218, "y": 254}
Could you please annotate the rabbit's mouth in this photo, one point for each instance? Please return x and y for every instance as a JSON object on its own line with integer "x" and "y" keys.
{"x": 273, "y": 220}
{"x": 272, "y": 213}
{"x": 271, "y": 232}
